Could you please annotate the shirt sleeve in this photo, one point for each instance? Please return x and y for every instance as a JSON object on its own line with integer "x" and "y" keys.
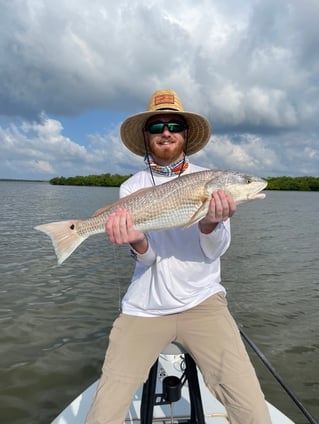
{"x": 123, "y": 191}
{"x": 147, "y": 258}
{"x": 217, "y": 242}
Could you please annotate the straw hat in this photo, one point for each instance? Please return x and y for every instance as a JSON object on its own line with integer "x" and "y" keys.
{"x": 161, "y": 102}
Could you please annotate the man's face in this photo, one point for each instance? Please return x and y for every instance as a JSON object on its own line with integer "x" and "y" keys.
{"x": 166, "y": 147}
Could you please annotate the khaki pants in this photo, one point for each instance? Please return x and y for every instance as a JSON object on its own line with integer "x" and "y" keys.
{"x": 209, "y": 333}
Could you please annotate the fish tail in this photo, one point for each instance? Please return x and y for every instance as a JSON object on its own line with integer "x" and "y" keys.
{"x": 64, "y": 237}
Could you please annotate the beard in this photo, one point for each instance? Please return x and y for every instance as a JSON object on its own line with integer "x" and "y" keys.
{"x": 167, "y": 155}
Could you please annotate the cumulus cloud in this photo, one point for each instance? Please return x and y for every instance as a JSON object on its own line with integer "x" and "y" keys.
{"x": 40, "y": 148}
{"x": 251, "y": 67}
{"x": 244, "y": 152}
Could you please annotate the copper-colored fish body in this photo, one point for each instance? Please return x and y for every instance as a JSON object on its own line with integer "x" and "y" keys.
{"x": 178, "y": 203}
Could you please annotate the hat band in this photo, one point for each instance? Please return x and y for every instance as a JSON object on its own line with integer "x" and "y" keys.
{"x": 168, "y": 108}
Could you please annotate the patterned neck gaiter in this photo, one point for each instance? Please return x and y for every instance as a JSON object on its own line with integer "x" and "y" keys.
{"x": 176, "y": 168}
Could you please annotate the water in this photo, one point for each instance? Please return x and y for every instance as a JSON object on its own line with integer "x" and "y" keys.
{"x": 55, "y": 320}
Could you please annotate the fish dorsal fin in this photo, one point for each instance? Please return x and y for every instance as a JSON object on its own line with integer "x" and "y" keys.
{"x": 198, "y": 215}
{"x": 119, "y": 203}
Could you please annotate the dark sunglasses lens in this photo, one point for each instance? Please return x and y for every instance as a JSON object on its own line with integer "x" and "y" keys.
{"x": 175, "y": 126}
{"x": 158, "y": 127}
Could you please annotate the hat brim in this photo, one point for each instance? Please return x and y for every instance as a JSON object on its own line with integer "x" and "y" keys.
{"x": 199, "y": 131}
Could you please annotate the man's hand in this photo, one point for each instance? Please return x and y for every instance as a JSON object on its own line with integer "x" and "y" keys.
{"x": 222, "y": 206}
{"x": 119, "y": 228}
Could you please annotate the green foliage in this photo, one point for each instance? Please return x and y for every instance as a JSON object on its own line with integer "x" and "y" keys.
{"x": 290, "y": 183}
{"x": 104, "y": 180}
{"x": 115, "y": 180}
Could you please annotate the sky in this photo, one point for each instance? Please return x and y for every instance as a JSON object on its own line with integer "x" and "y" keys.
{"x": 72, "y": 71}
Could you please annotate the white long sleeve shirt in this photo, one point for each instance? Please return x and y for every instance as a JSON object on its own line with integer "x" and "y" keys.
{"x": 181, "y": 267}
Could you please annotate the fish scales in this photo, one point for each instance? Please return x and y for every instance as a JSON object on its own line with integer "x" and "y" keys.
{"x": 166, "y": 207}
{"x": 170, "y": 206}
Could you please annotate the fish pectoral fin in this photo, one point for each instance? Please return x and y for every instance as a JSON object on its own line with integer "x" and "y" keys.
{"x": 199, "y": 214}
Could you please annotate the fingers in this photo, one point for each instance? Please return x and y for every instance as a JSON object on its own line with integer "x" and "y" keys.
{"x": 116, "y": 228}
{"x": 222, "y": 207}
{"x": 120, "y": 229}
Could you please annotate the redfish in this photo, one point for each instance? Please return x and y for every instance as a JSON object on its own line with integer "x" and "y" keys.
{"x": 178, "y": 203}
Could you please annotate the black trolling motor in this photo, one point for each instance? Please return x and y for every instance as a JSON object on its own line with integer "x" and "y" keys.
{"x": 172, "y": 389}
{"x": 172, "y": 392}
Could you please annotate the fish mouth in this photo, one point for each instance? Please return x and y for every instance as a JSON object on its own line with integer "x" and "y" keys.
{"x": 256, "y": 196}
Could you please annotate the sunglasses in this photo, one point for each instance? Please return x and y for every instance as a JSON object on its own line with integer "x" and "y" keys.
{"x": 173, "y": 127}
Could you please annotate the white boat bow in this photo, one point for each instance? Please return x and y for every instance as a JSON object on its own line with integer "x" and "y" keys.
{"x": 169, "y": 364}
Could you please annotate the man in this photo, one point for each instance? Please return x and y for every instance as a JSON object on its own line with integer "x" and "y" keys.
{"x": 175, "y": 293}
